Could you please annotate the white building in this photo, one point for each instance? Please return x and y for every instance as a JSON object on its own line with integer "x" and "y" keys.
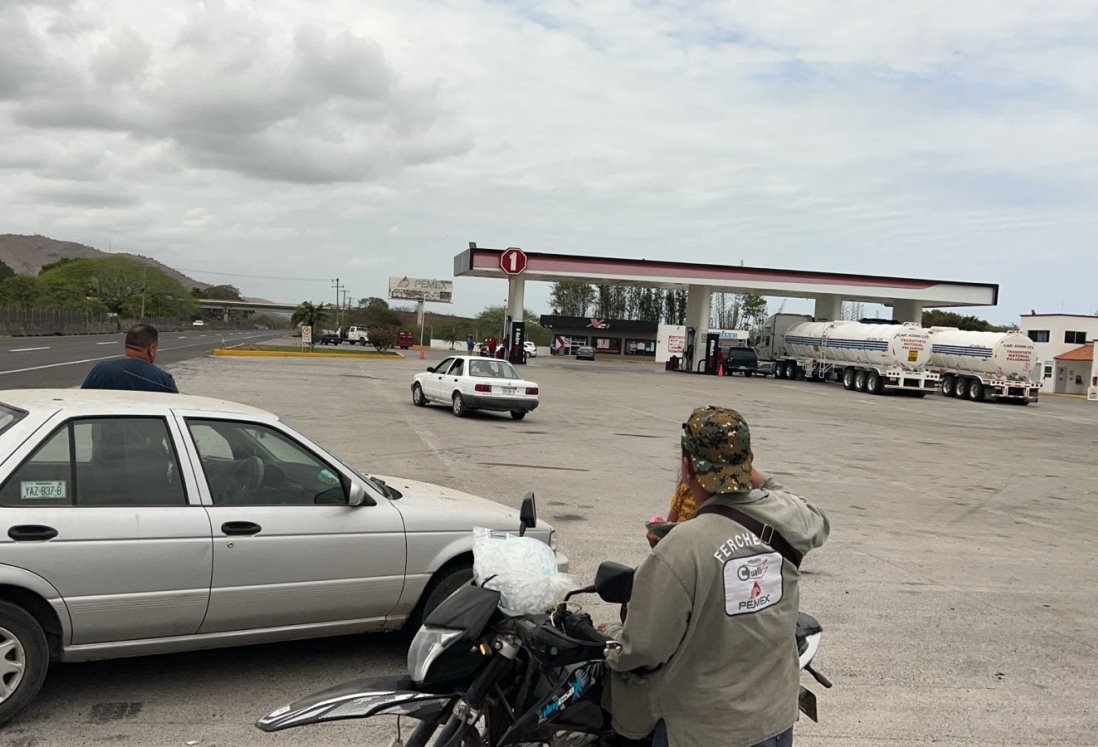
{"x": 1056, "y": 334}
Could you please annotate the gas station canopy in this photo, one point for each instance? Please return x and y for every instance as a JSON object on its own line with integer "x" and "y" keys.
{"x": 482, "y": 262}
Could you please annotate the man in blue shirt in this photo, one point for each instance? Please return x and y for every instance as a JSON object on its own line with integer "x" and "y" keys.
{"x": 136, "y": 370}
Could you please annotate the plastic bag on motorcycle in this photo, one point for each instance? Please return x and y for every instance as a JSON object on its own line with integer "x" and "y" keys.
{"x": 522, "y": 569}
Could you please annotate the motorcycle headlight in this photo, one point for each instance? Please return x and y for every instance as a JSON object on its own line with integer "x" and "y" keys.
{"x": 428, "y": 643}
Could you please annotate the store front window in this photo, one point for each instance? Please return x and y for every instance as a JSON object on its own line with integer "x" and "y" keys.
{"x": 640, "y": 347}
{"x": 608, "y": 345}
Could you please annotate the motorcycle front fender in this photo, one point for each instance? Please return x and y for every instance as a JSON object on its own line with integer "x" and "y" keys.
{"x": 362, "y": 698}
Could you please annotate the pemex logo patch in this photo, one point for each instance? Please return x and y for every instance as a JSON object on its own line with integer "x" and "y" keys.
{"x": 752, "y": 583}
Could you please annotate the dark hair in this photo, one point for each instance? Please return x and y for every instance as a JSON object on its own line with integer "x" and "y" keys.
{"x": 142, "y": 337}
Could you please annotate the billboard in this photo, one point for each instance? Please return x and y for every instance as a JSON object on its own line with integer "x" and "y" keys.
{"x": 421, "y": 289}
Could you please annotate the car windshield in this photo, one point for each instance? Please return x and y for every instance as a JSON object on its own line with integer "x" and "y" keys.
{"x": 9, "y": 416}
{"x": 492, "y": 369}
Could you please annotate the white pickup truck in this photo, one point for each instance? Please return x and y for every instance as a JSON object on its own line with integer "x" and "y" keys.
{"x": 355, "y": 334}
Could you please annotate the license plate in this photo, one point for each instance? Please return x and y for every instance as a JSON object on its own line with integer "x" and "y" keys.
{"x": 508, "y": 390}
{"x": 47, "y": 490}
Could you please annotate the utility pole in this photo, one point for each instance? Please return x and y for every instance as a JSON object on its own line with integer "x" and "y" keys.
{"x": 336, "y": 308}
{"x": 144, "y": 279}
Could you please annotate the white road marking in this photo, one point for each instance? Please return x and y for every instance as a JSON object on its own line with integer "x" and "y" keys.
{"x": 112, "y": 342}
{"x": 105, "y": 357}
{"x": 25, "y": 350}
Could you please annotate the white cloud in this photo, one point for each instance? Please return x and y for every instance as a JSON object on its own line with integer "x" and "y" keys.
{"x": 338, "y": 137}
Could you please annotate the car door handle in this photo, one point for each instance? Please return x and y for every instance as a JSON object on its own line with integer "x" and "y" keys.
{"x": 240, "y": 527}
{"x": 31, "y": 533}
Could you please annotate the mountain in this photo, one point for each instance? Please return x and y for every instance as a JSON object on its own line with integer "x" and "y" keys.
{"x": 27, "y": 254}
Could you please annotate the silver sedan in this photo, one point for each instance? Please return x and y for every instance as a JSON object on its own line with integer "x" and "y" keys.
{"x": 138, "y": 523}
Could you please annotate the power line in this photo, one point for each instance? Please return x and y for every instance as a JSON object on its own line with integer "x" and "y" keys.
{"x": 258, "y": 277}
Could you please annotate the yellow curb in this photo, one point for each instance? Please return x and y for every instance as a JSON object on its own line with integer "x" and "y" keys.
{"x": 1060, "y": 394}
{"x": 299, "y": 354}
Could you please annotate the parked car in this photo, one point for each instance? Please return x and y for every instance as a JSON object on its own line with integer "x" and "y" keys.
{"x": 355, "y": 334}
{"x": 141, "y": 523}
{"x": 329, "y": 337}
{"x": 469, "y": 382}
{"x": 744, "y": 360}
{"x": 585, "y": 352}
{"x": 198, "y": 323}
{"x": 531, "y": 349}
{"x": 404, "y": 339}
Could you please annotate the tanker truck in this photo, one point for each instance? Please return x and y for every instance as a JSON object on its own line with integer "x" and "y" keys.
{"x": 984, "y": 365}
{"x": 874, "y": 358}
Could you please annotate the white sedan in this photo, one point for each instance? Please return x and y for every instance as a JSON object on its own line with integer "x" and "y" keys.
{"x": 469, "y": 382}
{"x": 143, "y": 523}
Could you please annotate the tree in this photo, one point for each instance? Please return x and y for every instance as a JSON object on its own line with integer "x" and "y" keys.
{"x": 490, "y": 322}
{"x": 571, "y": 298}
{"x": 382, "y": 338}
{"x": 376, "y": 313}
{"x": 5, "y": 271}
{"x": 939, "y": 318}
{"x": 122, "y": 285}
{"x": 674, "y": 311}
{"x": 22, "y": 290}
{"x": 309, "y": 315}
{"x": 221, "y": 293}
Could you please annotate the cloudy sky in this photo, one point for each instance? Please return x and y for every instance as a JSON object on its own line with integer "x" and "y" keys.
{"x": 284, "y": 143}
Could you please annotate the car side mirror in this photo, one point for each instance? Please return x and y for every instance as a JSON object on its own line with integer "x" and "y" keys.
{"x": 528, "y": 514}
{"x": 359, "y": 497}
{"x": 614, "y": 582}
{"x": 431, "y": 369}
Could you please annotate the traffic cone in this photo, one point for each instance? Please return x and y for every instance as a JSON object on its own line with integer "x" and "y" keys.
{"x": 422, "y": 353}
{"x": 720, "y": 370}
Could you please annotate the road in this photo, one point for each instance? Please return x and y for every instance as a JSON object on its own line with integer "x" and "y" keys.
{"x": 64, "y": 361}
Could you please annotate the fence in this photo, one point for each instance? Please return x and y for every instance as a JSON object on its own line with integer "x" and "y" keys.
{"x": 19, "y": 322}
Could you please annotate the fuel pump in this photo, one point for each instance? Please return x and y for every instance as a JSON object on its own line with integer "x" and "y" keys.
{"x": 712, "y": 345}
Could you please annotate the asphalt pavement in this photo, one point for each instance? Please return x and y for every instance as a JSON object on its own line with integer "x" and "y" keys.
{"x": 956, "y": 590}
{"x": 64, "y": 361}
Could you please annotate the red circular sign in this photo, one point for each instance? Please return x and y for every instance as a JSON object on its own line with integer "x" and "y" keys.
{"x": 512, "y": 261}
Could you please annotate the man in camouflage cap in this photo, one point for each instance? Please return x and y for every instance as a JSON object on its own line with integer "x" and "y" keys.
{"x": 718, "y": 442}
{"x": 708, "y": 652}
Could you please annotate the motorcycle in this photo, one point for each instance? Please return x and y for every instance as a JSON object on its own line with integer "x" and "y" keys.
{"x": 480, "y": 677}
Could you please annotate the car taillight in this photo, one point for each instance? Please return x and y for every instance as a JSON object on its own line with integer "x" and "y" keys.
{"x": 531, "y": 390}
{"x": 483, "y": 388}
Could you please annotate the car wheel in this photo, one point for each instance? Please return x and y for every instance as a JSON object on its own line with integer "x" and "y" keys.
{"x": 418, "y": 398}
{"x": 518, "y": 414}
{"x": 459, "y": 405}
{"x": 446, "y": 581}
{"x": 24, "y": 658}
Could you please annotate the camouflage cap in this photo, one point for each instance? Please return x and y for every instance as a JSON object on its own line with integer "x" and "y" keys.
{"x": 719, "y": 445}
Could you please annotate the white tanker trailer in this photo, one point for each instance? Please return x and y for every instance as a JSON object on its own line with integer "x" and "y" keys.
{"x": 872, "y": 358}
{"x": 982, "y": 365}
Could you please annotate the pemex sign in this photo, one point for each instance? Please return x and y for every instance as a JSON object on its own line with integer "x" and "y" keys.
{"x": 421, "y": 289}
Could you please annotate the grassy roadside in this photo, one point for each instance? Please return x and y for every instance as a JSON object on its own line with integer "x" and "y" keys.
{"x": 286, "y": 351}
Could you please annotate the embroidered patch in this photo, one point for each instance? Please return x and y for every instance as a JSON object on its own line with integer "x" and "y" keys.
{"x": 752, "y": 583}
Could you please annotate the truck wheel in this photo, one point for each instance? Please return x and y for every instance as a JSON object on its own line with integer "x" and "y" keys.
{"x": 749, "y": 373}
{"x": 873, "y": 383}
{"x": 960, "y": 389}
{"x": 848, "y": 379}
{"x": 418, "y": 398}
{"x": 24, "y": 658}
{"x": 948, "y": 388}
{"x": 859, "y": 381}
{"x": 459, "y": 405}
{"x": 976, "y": 391}
{"x": 793, "y": 371}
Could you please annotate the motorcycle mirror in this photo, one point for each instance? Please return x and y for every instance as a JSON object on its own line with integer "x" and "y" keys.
{"x": 528, "y": 514}
{"x": 614, "y": 582}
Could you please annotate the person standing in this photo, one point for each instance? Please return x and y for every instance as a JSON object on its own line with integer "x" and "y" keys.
{"x": 708, "y": 650}
{"x": 470, "y": 342}
{"x": 136, "y": 370}
{"x": 492, "y": 346}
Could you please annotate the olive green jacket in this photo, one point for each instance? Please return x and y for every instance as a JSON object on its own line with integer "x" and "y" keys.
{"x": 709, "y": 642}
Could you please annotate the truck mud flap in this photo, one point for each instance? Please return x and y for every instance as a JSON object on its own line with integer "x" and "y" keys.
{"x": 363, "y": 698}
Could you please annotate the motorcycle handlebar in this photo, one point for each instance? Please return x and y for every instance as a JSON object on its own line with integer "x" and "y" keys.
{"x": 580, "y": 626}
